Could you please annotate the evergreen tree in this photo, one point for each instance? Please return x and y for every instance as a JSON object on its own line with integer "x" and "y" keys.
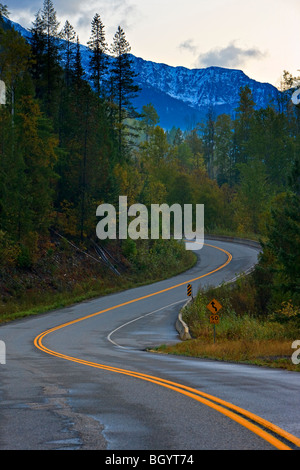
{"x": 36, "y": 146}
{"x": 195, "y": 143}
{"x": 27, "y": 148}
{"x": 185, "y": 157}
{"x": 178, "y": 137}
{"x": 283, "y": 241}
{"x": 270, "y": 142}
{"x": 223, "y": 149}
{"x": 209, "y": 142}
{"x": 37, "y": 43}
{"x": 98, "y": 60}
{"x": 68, "y": 34}
{"x": 78, "y": 69}
{"x": 284, "y": 98}
{"x": 68, "y": 54}
{"x": 4, "y": 13}
{"x": 253, "y": 194}
{"x": 124, "y": 87}
{"x": 46, "y": 53}
{"x": 243, "y": 120}
{"x": 86, "y": 165}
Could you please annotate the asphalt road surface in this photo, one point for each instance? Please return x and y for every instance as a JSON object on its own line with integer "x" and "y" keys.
{"x": 81, "y": 378}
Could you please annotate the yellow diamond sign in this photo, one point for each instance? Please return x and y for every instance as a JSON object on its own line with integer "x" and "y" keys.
{"x": 214, "y": 306}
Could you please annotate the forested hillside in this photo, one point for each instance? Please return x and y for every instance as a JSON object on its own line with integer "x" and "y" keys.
{"x": 67, "y": 145}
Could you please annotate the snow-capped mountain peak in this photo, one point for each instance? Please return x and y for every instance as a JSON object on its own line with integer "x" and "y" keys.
{"x": 181, "y": 95}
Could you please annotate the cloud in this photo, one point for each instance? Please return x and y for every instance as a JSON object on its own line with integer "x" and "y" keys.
{"x": 188, "y": 46}
{"x": 70, "y": 6}
{"x": 80, "y": 13}
{"x": 229, "y": 56}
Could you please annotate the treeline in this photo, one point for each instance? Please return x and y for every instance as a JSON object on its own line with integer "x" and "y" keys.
{"x": 70, "y": 140}
{"x": 62, "y": 137}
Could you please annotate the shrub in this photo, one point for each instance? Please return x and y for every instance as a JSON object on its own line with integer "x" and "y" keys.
{"x": 9, "y": 250}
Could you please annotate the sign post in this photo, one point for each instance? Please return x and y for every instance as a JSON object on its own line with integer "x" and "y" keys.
{"x": 189, "y": 290}
{"x": 214, "y": 306}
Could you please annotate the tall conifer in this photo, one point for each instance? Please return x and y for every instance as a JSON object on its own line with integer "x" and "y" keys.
{"x": 124, "y": 86}
{"x": 46, "y": 49}
{"x": 4, "y": 13}
{"x": 68, "y": 34}
{"x": 244, "y": 116}
{"x": 98, "y": 60}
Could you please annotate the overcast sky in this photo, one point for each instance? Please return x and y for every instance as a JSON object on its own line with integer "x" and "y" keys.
{"x": 260, "y": 37}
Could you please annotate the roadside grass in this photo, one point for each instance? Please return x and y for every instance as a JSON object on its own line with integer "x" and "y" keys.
{"x": 223, "y": 232}
{"x": 37, "y": 301}
{"x": 75, "y": 279}
{"x": 240, "y": 336}
{"x": 269, "y": 353}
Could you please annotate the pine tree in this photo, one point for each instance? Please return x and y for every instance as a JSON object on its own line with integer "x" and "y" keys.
{"x": 68, "y": 53}
{"x": 68, "y": 34}
{"x": 287, "y": 82}
{"x": 123, "y": 80}
{"x": 37, "y": 43}
{"x": 283, "y": 240}
{"x": 4, "y": 13}
{"x": 196, "y": 145}
{"x": 50, "y": 23}
{"x": 243, "y": 120}
{"x": 78, "y": 70}
{"x": 253, "y": 194}
{"x": 209, "y": 142}
{"x": 46, "y": 53}
{"x": 271, "y": 142}
{"x": 98, "y": 60}
{"x": 223, "y": 149}
{"x": 26, "y": 148}
{"x": 37, "y": 147}
{"x": 86, "y": 164}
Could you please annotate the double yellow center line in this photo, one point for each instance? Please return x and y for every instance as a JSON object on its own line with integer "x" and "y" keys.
{"x": 269, "y": 432}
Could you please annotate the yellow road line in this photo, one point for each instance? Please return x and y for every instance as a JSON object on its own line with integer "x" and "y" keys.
{"x": 146, "y": 296}
{"x": 192, "y": 393}
{"x": 216, "y": 403}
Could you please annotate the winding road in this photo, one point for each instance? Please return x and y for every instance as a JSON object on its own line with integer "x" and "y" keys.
{"x": 81, "y": 378}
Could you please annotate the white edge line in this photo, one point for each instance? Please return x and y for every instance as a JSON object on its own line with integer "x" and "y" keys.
{"x": 136, "y": 319}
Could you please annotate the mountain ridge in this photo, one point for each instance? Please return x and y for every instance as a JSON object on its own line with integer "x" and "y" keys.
{"x": 200, "y": 90}
{"x": 183, "y": 96}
